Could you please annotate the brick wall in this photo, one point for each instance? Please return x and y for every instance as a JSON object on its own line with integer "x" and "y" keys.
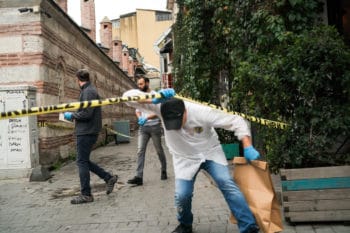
{"x": 125, "y": 59}
{"x": 106, "y": 35}
{"x": 45, "y": 50}
{"x": 117, "y": 51}
{"x": 63, "y": 4}
{"x": 88, "y": 19}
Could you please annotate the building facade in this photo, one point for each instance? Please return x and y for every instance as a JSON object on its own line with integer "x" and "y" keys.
{"x": 41, "y": 46}
{"x": 140, "y": 29}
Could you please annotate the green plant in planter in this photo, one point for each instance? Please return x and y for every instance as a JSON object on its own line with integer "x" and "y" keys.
{"x": 304, "y": 81}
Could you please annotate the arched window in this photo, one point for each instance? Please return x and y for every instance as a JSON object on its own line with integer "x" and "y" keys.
{"x": 61, "y": 79}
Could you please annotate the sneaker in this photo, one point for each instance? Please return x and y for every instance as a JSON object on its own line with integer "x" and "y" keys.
{"x": 110, "y": 184}
{"x": 253, "y": 229}
{"x": 182, "y": 228}
{"x": 81, "y": 199}
{"x": 136, "y": 180}
{"x": 163, "y": 176}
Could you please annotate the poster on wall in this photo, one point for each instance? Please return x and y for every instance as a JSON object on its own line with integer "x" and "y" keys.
{"x": 14, "y": 132}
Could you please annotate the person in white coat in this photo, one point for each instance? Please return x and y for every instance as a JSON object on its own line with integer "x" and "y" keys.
{"x": 193, "y": 142}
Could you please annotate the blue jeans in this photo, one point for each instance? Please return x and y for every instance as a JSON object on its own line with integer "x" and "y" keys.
{"x": 145, "y": 133}
{"x": 232, "y": 194}
{"x": 84, "y": 147}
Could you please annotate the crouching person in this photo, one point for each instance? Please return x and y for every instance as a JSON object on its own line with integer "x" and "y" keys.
{"x": 194, "y": 145}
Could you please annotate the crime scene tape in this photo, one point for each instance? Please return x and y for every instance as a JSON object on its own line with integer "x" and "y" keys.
{"x": 54, "y": 126}
{"x": 262, "y": 121}
{"x": 59, "y": 126}
{"x": 97, "y": 103}
{"x": 74, "y": 106}
{"x": 117, "y": 133}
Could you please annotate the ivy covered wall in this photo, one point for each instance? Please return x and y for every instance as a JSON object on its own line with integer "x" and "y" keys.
{"x": 276, "y": 59}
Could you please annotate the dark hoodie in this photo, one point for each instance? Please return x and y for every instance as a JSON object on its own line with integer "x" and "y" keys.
{"x": 88, "y": 120}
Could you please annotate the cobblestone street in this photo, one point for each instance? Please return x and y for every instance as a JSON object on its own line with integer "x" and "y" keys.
{"x": 45, "y": 206}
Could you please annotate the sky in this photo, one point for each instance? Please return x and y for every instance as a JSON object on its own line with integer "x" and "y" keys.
{"x": 113, "y": 9}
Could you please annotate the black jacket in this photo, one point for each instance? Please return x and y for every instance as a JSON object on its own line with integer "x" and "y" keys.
{"x": 88, "y": 120}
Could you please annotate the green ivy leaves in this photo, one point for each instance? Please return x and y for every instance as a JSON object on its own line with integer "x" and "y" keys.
{"x": 277, "y": 63}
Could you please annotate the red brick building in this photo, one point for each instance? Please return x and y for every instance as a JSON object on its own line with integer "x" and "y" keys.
{"x": 41, "y": 46}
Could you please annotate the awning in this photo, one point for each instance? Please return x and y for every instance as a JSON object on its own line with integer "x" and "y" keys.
{"x": 163, "y": 40}
{"x": 167, "y": 47}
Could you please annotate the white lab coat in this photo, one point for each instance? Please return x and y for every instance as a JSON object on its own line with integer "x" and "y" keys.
{"x": 197, "y": 140}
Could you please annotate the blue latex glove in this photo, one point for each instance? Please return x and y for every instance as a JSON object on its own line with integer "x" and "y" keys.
{"x": 166, "y": 94}
{"x": 142, "y": 121}
{"x": 250, "y": 153}
{"x": 68, "y": 116}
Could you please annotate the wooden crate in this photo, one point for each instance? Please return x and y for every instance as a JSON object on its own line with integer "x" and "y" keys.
{"x": 316, "y": 194}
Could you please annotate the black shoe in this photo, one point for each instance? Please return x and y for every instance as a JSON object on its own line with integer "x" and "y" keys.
{"x": 110, "y": 184}
{"x": 253, "y": 229}
{"x": 81, "y": 199}
{"x": 163, "y": 176}
{"x": 182, "y": 228}
{"x": 136, "y": 180}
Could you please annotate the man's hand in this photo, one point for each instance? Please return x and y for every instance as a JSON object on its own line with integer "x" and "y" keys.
{"x": 166, "y": 94}
{"x": 250, "y": 153}
{"x": 68, "y": 116}
{"x": 142, "y": 120}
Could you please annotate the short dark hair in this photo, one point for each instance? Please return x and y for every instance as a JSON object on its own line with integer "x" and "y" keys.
{"x": 83, "y": 75}
{"x": 144, "y": 78}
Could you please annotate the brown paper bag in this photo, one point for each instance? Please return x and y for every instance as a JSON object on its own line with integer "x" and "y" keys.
{"x": 254, "y": 180}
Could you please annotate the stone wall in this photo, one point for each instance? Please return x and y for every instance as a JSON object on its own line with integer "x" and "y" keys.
{"x": 43, "y": 47}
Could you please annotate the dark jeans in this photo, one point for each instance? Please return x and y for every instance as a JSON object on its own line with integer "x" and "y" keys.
{"x": 145, "y": 133}
{"x": 84, "y": 147}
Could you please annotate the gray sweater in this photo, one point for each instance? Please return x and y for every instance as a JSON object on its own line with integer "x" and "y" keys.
{"x": 88, "y": 120}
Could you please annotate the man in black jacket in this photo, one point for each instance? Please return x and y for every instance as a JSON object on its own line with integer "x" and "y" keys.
{"x": 88, "y": 124}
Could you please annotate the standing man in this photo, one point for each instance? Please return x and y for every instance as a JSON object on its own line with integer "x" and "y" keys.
{"x": 149, "y": 128}
{"x": 88, "y": 124}
{"x": 193, "y": 142}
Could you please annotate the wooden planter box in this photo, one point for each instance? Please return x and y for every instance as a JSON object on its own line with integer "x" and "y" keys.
{"x": 316, "y": 194}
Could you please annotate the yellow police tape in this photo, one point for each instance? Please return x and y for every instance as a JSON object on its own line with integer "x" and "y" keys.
{"x": 268, "y": 123}
{"x": 62, "y": 127}
{"x": 74, "y": 106}
{"x": 97, "y": 103}
{"x": 43, "y": 124}
{"x": 117, "y": 133}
